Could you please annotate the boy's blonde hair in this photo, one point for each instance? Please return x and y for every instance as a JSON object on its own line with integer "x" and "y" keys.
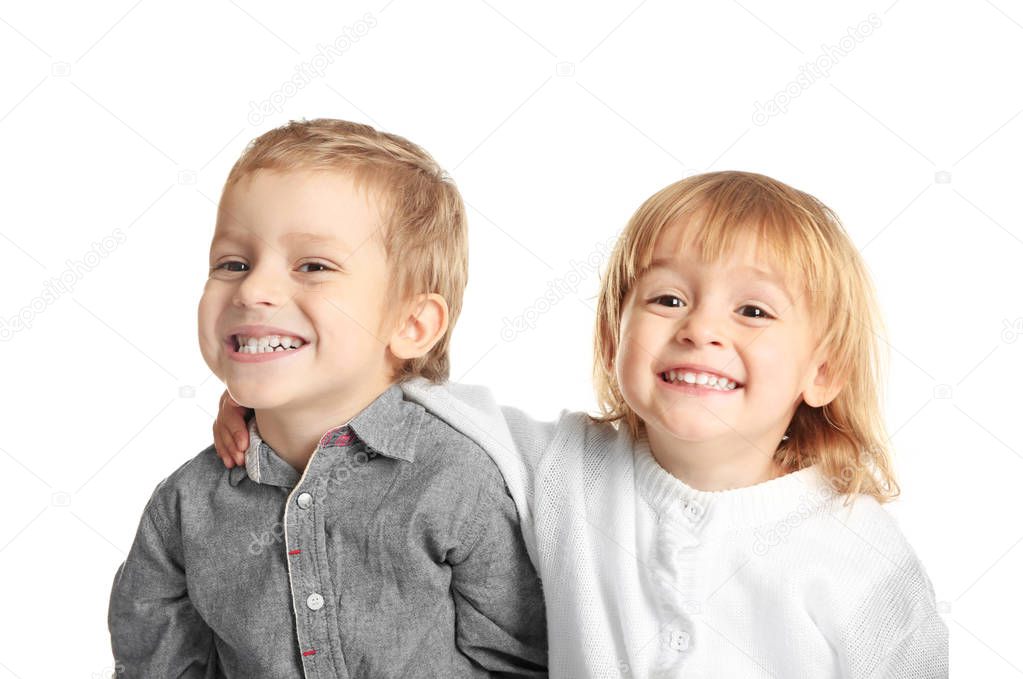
{"x": 424, "y": 232}
{"x": 804, "y": 239}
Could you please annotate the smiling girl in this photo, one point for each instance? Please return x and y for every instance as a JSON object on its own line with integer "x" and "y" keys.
{"x": 722, "y": 516}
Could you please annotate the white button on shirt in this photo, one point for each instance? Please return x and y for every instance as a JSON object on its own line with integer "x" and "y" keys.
{"x": 304, "y": 500}
{"x": 314, "y": 602}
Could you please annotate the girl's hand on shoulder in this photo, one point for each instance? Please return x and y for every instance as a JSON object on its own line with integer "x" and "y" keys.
{"x": 231, "y": 432}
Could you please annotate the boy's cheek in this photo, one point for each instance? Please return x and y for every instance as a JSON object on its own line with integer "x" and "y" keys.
{"x": 209, "y": 343}
{"x": 210, "y": 354}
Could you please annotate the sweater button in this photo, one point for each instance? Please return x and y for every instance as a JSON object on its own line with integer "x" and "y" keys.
{"x": 304, "y": 500}
{"x": 678, "y": 641}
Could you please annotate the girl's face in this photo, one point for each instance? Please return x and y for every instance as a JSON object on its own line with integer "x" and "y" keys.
{"x": 736, "y": 331}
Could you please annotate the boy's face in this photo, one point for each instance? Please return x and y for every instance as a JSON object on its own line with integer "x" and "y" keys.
{"x": 299, "y": 252}
{"x": 731, "y": 320}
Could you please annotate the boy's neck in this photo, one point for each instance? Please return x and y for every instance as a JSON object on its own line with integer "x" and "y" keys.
{"x": 295, "y": 433}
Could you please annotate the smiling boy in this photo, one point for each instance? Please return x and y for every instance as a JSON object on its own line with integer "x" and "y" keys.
{"x": 363, "y": 537}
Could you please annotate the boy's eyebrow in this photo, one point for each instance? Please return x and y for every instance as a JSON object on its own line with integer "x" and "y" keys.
{"x": 301, "y": 236}
{"x": 311, "y": 238}
{"x": 757, "y": 273}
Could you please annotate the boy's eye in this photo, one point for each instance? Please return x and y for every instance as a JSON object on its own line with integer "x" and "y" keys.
{"x": 225, "y": 265}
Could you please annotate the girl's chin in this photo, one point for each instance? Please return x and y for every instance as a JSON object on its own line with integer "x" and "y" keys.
{"x": 689, "y": 432}
{"x": 693, "y": 437}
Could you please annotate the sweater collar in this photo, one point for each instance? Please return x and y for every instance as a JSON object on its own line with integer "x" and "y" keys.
{"x": 727, "y": 509}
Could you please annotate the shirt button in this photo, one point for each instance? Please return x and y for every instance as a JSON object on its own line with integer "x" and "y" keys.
{"x": 314, "y": 602}
{"x": 304, "y": 500}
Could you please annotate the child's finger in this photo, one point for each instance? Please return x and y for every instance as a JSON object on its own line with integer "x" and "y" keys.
{"x": 241, "y": 445}
{"x": 233, "y": 428}
{"x": 222, "y": 451}
{"x": 232, "y": 416}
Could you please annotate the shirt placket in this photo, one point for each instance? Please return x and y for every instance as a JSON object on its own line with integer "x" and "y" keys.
{"x": 308, "y": 572}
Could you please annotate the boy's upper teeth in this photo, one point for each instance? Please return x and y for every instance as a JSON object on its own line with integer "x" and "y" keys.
{"x": 701, "y": 378}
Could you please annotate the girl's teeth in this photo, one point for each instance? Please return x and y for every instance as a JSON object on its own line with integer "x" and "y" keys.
{"x": 701, "y": 379}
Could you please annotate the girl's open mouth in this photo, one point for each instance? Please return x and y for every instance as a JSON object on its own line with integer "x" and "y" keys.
{"x": 698, "y": 382}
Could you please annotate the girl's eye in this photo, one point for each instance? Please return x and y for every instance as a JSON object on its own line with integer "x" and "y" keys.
{"x": 758, "y": 312}
{"x": 668, "y": 300}
{"x": 675, "y": 303}
{"x": 323, "y": 267}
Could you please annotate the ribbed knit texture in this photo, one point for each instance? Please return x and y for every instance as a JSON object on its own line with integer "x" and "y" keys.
{"x": 647, "y": 577}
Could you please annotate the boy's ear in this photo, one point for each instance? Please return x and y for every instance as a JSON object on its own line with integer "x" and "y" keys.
{"x": 422, "y": 323}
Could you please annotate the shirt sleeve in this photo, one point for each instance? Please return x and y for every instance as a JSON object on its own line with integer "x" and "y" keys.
{"x": 154, "y": 629}
{"x": 896, "y": 632}
{"x": 499, "y": 605}
{"x": 515, "y": 441}
{"x": 921, "y": 654}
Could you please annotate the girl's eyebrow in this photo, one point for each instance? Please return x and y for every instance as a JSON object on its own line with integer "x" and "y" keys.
{"x": 752, "y": 272}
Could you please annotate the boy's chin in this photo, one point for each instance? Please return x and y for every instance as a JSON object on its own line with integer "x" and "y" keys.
{"x": 258, "y": 398}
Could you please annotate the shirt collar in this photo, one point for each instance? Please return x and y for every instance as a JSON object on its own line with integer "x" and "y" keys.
{"x": 388, "y": 426}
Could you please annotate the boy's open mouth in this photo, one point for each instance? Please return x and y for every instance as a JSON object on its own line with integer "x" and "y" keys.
{"x": 246, "y": 344}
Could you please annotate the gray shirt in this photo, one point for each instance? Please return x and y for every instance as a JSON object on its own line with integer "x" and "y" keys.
{"x": 396, "y": 553}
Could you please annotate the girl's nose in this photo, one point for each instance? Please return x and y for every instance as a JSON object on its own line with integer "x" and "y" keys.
{"x": 699, "y": 328}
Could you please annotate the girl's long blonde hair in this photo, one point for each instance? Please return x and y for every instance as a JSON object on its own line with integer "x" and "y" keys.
{"x": 806, "y": 240}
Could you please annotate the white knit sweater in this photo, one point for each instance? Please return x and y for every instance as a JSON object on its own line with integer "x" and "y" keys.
{"x": 647, "y": 577}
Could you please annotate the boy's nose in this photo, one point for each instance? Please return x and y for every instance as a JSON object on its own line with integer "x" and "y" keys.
{"x": 261, "y": 287}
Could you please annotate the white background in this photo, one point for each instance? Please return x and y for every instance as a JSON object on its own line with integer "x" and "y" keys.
{"x": 556, "y": 120}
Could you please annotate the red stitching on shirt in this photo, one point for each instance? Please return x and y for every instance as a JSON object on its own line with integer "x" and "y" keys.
{"x": 340, "y": 436}
{"x": 294, "y": 551}
{"x": 311, "y": 651}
